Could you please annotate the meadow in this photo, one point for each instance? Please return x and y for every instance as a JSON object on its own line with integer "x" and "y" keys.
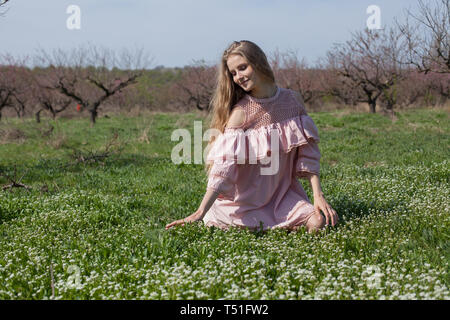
{"x": 93, "y": 227}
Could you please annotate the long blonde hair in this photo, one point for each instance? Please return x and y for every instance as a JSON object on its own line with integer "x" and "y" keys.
{"x": 227, "y": 93}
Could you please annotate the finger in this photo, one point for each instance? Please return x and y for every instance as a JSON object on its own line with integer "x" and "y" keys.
{"x": 170, "y": 225}
{"x": 331, "y": 215}
{"x": 328, "y": 215}
{"x": 327, "y": 219}
{"x": 336, "y": 217}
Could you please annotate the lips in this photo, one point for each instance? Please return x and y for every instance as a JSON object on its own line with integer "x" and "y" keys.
{"x": 245, "y": 82}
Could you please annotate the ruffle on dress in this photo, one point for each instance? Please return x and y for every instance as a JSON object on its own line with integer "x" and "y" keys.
{"x": 232, "y": 144}
{"x": 236, "y": 146}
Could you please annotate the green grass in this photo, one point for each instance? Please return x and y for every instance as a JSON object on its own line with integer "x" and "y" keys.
{"x": 98, "y": 230}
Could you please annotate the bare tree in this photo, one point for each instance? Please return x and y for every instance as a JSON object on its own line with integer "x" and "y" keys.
{"x": 3, "y": 3}
{"x": 369, "y": 62}
{"x": 339, "y": 87}
{"x": 427, "y": 36}
{"x": 196, "y": 85}
{"x": 439, "y": 84}
{"x": 50, "y": 100}
{"x": 293, "y": 73}
{"x": 6, "y": 89}
{"x": 10, "y": 76}
{"x": 90, "y": 75}
{"x": 23, "y": 94}
{"x": 14, "y": 182}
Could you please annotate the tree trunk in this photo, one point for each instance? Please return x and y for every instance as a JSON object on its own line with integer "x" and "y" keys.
{"x": 38, "y": 116}
{"x": 373, "y": 105}
{"x": 93, "y": 116}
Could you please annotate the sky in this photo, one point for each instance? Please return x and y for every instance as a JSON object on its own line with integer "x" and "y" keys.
{"x": 177, "y": 32}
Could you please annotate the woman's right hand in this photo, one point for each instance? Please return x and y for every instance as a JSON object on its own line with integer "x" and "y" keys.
{"x": 197, "y": 215}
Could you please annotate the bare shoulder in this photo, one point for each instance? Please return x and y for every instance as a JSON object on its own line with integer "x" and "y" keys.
{"x": 237, "y": 117}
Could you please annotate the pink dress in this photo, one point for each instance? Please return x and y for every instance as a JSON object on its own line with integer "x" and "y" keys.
{"x": 277, "y": 136}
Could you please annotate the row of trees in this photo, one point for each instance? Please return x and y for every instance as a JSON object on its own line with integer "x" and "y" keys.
{"x": 397, "y": 66}
{"x": 87, "y": 76}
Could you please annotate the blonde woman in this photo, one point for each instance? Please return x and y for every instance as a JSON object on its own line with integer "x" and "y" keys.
{"x": 262, "y": 127}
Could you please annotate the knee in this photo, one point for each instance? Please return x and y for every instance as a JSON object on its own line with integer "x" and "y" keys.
{"x": 316, "y": 222}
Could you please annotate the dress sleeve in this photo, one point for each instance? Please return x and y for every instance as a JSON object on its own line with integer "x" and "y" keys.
{"x": 308, "y": 154}
{"x": 223, "y": 178}
{"x": 226, "y": 155}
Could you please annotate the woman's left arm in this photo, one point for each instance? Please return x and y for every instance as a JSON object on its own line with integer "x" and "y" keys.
{"x": 319, "y": 200}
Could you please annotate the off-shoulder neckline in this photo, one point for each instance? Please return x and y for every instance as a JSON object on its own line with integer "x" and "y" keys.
{"x": 263, "y": 100}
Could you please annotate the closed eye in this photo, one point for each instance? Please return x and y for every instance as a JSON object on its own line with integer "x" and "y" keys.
{"x": 242, "y": 67}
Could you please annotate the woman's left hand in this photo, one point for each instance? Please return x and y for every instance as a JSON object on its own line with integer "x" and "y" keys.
{"x": 330, "y": 214}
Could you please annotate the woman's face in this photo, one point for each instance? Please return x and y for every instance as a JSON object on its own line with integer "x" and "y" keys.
{"x": 243, "y": 73}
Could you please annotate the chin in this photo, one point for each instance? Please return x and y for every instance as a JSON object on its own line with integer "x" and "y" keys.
{"x": 246, "y": 89}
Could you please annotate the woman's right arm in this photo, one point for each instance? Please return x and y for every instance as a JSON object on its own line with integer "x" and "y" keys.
{"x": 222, "y": 176}
{"x": 208, "y": 200}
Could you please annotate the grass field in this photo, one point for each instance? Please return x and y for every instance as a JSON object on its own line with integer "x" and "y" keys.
{"x": 95, "y": 229}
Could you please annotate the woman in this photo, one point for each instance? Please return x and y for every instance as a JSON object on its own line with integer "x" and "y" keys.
{"x": 249, "y": 109}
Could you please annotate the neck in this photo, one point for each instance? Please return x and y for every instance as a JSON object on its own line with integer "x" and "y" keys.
{"x": 266, "y": 90}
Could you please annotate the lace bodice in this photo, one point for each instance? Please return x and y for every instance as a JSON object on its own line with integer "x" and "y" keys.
{"x": 264, "y": 112}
